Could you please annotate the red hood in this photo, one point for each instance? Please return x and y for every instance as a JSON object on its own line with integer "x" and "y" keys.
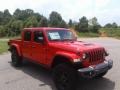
{"x": 76, "y": 46}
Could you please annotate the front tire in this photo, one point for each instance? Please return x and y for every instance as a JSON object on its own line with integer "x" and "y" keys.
{"x": 65, "y": 77}
{"x": 16, "y": 59}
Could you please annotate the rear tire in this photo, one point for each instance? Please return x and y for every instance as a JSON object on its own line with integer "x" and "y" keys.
{"x": 65, "y": 77}
{"x": 16, "y": 59}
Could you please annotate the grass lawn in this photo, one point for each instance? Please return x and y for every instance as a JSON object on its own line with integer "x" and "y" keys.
{"x": 90, "y": 34}
{"x": 3, "y": 46}
{"x": 3, "y": 43}
{"x": 111, "y": 32}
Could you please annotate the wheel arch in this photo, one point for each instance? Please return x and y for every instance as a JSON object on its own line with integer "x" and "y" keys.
{"x": 14, "y": 46}
{"x": 59, "y": 59}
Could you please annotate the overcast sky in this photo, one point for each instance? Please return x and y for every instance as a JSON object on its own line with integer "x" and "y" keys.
{"x": 105, "y": 10}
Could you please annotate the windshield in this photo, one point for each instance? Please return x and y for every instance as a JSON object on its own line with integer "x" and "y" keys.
{"x": 60, "y": 35}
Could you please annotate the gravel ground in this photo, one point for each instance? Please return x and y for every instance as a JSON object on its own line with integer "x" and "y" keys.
{"x": 33, "y": 77}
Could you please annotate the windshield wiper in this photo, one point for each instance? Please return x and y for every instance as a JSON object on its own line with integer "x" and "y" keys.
{"x": 66, "y": 39}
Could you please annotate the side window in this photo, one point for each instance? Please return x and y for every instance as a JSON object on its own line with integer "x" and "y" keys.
{"x": 38, "y": 36}
{"x": 27, "y": 36}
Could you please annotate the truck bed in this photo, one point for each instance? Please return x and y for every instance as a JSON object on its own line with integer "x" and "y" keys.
{"x": 15, "y": 41}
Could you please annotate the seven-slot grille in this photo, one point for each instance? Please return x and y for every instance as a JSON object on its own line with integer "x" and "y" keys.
{"x": 96, "y": 55}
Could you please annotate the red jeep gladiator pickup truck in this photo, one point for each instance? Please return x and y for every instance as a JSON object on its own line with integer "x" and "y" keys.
{"x": 58, "y": 49}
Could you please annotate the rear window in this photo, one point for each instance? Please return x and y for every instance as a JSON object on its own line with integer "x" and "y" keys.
{"x": 27, "y": 36}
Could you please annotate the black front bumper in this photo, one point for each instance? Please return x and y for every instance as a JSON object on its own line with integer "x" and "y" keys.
{"x": 94, "y": 70}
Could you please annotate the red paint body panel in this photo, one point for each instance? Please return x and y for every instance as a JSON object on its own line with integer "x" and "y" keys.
{"x": 44, "y": 53}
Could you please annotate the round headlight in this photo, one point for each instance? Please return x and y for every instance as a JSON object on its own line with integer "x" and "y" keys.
{"x": 84, "y": 56}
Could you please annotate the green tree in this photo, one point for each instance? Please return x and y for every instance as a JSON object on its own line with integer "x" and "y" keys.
{"x": 94, "y": 25}
{"x": 18, "y": 14}
{"x": 38, "y": 16}
{"x": 1, "y": 17}
{"x": 55, "y": 20}
{"x": 108, "y": 25}
{"x": 31, "y": 22}
{"x": 2, "y": 31}
{"x": 14, "y": 27}
{"x": 43, "y": 22}
{"x": 8, "y": 27}
{"x": 82, "y": 25}
{"x": 6, "y": 16}
{"x": 23, "y": 14}
{"x": 70, "y": 23}
{"x": 63, "y": 24}
{"x": 114, "y": 25}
